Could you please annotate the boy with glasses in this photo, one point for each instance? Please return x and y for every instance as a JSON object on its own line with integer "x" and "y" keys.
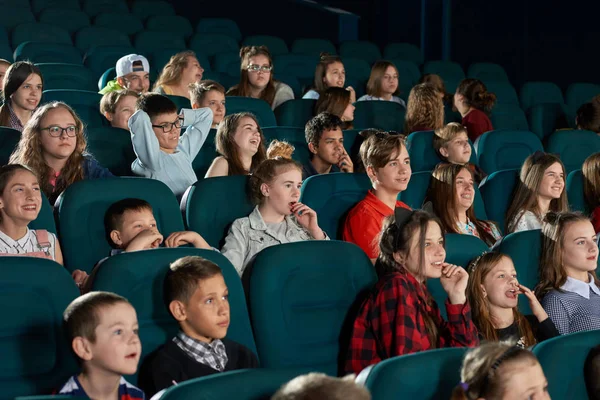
{"x": 155, "y": 134}
{"x": 133, "y": 73}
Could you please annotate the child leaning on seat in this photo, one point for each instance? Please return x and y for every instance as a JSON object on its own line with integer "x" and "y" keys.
{"x": 130, "y": 226}
{"x": 155, "y": 134}
{"x": 196, "y": 295}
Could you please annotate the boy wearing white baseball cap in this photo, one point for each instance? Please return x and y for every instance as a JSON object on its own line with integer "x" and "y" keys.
{"x": 133, "y": 73}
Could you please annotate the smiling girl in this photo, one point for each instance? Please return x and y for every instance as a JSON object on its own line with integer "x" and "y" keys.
{"x": 568, "y": 287}
{"x": 541, "y": 188}
{"x": 181, "y": 71}
{"x": 329, "y": 72}
{"x": 400, "y": 316}
{"x": 241, "y": 146}
{"x": 22, "y": 91}
{"x": 278, "y": 216}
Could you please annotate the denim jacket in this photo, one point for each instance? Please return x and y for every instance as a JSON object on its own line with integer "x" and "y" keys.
{"x": 249, "y": 235}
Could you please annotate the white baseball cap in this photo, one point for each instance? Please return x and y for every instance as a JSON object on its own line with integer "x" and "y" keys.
{"x": 125, "y": 64}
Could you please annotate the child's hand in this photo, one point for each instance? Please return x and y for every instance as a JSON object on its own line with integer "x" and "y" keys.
{"x": 80, "y": 277}
{"x": 307, "y": 218}
{"x": 147, "y": 239}
{"x": 454, "y": 280}
{"x": 534, "y": 304}
{"x": 177, "y": 239}
{"x": 352, "y": 94}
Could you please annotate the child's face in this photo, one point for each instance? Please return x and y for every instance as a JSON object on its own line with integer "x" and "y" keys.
{"x": 553, "y": 182}
{"x": 526, "y": 380}
{"x": 247, "y": 136}
{"x": 458, "y": 150}
{"x": 29, "y": 94}
{"x": 133, "y": 222}
{"x": 389, "y": 81}
{"x": 192, "y": 72}
{"x": 123, "y": 111}
{"x": 465, "y": 193}
{"x": 117, "y": 348}
{"x": 259, "y": 79}
{"x": 500, "y": 285}
{"x": 61, "y": 147}
{"x": 284, "y": 191}
{"x": 435, "y": 254}
{"x": 21, "y": 199}
{"x": 395, "y": 175}
{"x": 580, "y": 249}
{"x": 348, "y": 114}
{"x": 138, "y": 81}
{"x": 335, "y": 75}
{"x": 215, "y": 100}
{"x": 331, "y": 146}
{"x": 167, "y": 141}
{"x": 207, "y": 311}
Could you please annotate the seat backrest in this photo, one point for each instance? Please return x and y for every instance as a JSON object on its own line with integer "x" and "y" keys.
{"x": 298, "y": 65}
{"x": 488, "y": 72}
{"x": 148, "y": 42}
{"x": 12, "y": 17}
{"x": 496, "y": 191}
{"x": 258, "y": 107}
{"x": 101, "y": 58}
{"x": 228, "y": 63}
{"x": 71, "y": 20}
{"x": 203, "y": 207}
{"x": 170, "y": 23}
{"x": 34, "y": 293}
{"x": 312, "y": 47}
{"x": 221, "y": 26}
{"x": 139, "y": 276}
{"x": 356, "y": 68}
{"x": 451, "y": 72}
{"x": 509, "y": 116}
{"x": 275, "y": 44}
{"x": 403, "y": 51}
{"x": 48, "y": 53}
{"x": 524, "y": 248}
{"x": 293, "y": 329}
{"x": 580, "y": 93}
{"x": 575, "y": 191}
{"x": 533, "y": 93}
{"x": 146, "y": 8}
{"x": 505, "y": 149}
{"x": 85, "y": 103}
{"x": 295, "y": 112}
{"x": 562, "y": 359}
{"x": 67, "y": 76}
{"x": 332, "y": 196}
{"x": 545, "y": 118}
{"x": 573, "y": 147}
{"x": 362, "y": 49}
{"x": 38, "y": 32}
{"x": 408, "y": 73}
{"x": 258, "y": 384}
{"x": 125, "y": 23}
{"x": 95, "y": 7}
{"x": 9, "y": 138}
{"x": 423, "y": 156}
{"x": 92, "y": 36}
{"x": 206, "y": 155}
{"x": 210, "y": 44}
{"x": 45, "y": 219}
{"x": 460, "y": 250}
{"x": 385, "y": 115}
{"x": 81, "y": 210}
{"x": 504, "y": 91}
{"x": 112, "y": 148}
{"x": 409, "y": 381}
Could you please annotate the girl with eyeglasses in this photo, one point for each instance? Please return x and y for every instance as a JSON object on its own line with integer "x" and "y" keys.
{"x": 22, "y": 92}
{"x": 53, "y": 146}
{"x": 257, "y": 80}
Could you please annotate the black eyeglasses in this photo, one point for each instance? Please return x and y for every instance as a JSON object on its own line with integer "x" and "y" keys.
{"x": 168, "y": 126}
{"x": 57, "y": 131}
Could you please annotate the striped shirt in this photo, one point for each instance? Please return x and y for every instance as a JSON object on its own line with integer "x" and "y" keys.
{"x": 575, "y": 307}
{"x": 27, "y": 244}
{"x": 126, "y": 390}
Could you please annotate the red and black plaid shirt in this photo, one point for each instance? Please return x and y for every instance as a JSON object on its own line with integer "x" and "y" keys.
{"x": 390, "y": 323}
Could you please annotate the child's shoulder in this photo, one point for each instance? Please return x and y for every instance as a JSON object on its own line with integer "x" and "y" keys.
{"x": 128, "y": 391}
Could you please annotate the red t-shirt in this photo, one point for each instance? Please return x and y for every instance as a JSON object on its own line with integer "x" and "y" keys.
{"x": 477, "y": 123}
{"x": 364, "y": 222}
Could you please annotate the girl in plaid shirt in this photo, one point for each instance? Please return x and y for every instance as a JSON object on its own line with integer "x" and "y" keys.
{"x": 400, "y": 316}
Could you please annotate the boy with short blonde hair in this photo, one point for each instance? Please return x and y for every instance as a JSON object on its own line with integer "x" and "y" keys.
{"x": 451, "y": 143}
{"x": 316, "y": 386}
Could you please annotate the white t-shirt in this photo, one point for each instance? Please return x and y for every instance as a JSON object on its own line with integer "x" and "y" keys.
{"x": 27, "y": 244}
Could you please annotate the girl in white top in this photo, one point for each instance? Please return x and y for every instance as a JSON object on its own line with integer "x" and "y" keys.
{"x": 20, "y": 203}
{"x": 383, "y": 84}
{"x": 329, "y": 72}
{"x": 541, "y": 188}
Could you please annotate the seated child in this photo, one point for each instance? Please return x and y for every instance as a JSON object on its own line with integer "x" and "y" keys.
{"x": 591, "y": 188}
{"x": 209, "y": 94}
{"x": 130, "y": 226}
{"x": 316, "y": 385}
{"x": 501, "y": 371}
{"x": 103, "y": 332}
{"x": 155, "y": 133}
{"x": 325, "y": 141}
{"x": 493, "y": 292}
{"x": 196, "y": 295}
{"x": 451, "y": 144}
{"x": 118, "y": 106}
{"x": 20, "y": 203}
{"x": 278, "y": 217}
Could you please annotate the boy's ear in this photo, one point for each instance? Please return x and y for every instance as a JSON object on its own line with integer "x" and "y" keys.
{"x": 115, "y": 236}
{"x": 371, "y": 173}
{"x": 81, "y": 347}
{"x": 108, "y": 116}
{"x": 312, "y": 148}
{"x": 195, "y": 106}
{"x": 121, "y": 82}
{"x": 177, "y": 309}
{"x": 444, "y": 151}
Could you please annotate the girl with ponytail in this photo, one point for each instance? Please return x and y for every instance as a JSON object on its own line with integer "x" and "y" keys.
{"x": 474, "y": 103}
{"x": 400, "y": 316}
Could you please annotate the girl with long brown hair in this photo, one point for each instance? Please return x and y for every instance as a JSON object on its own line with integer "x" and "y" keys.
{"x": 452, "y": 193}
{"x": 257, "y": 80}
{"x": 493, "y": 292}
{"x": 400, "y": 316}
{"x": 474, "y": 103}
{"x": 22, "y": 92}
{"x": 53, "y": 146}
{"x": 241, "y": 146}
{"x": 541, "y": 188}
{"x": 569, "y": 288}
{"x": 424, "y": 110}
{"x": 383, "y": 83}
{"x": 337, "y": 101}
{"x": 329, "y": 72}
{"x": 591, "y": 187}
{"x": 181, "y": 71}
